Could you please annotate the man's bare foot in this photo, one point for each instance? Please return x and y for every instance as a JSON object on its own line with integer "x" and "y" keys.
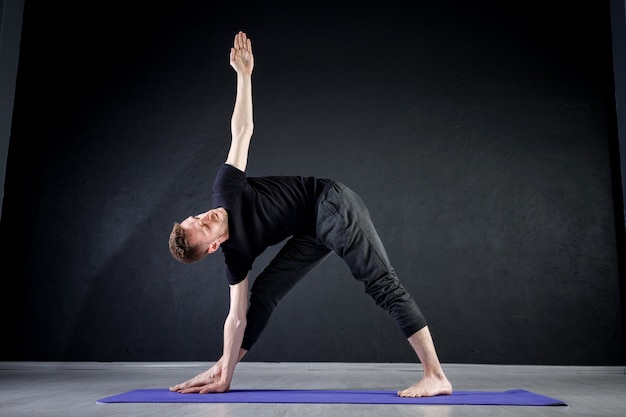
{"x": 429, "y": 386}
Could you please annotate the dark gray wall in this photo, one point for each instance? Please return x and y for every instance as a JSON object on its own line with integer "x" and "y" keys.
{"x": 618, "y": 150}
{"x": 618, "y": 25}
{"x": 478, "y": 134}
{"x": 10, "y": 30}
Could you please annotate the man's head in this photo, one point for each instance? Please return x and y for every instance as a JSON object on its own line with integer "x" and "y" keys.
{"x": 197, "y": 236}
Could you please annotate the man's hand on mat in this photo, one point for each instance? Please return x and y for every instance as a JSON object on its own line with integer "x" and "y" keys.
{"x": 428, "y": 386}
{"x": 212, "y": 380}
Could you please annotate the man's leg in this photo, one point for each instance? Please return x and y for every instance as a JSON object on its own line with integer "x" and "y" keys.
{"x": 297, "y": 257}
{"x": 344, "y": 225}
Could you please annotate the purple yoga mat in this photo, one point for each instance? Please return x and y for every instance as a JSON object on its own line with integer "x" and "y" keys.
{"x": 511, "y": 397}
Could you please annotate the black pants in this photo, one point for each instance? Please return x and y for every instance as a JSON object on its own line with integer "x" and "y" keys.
{"x": 344, "y": 227}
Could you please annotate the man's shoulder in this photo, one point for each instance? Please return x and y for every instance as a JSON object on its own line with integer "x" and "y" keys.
{"x": 227, "y": 177}
{"x": 227, "y": 169}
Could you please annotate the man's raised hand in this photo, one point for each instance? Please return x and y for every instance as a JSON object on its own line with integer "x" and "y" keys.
{"x": 241, "y": 58}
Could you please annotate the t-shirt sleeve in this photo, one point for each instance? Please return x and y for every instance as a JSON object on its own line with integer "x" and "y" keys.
{"x": 227, "y": 181}
{"x": 237, "y": 267}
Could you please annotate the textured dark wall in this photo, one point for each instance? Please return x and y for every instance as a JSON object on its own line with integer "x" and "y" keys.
{"x": 10, "y": 30}
{"x": 478, "y": 134}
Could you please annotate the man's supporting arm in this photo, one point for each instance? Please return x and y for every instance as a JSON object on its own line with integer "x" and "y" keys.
{"x": 234, "y": 328}
{"x": 219, "y": 376}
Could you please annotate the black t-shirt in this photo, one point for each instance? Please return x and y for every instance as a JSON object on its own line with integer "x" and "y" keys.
{"x": 263, "y": 211}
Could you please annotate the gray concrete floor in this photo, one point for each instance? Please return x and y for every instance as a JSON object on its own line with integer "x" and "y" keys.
{"x": 67, "y": 389}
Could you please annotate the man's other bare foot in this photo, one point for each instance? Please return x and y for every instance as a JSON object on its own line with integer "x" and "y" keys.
{"x": 429, "y": 386}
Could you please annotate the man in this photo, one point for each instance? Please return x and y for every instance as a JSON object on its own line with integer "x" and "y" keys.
{"x": 319, "y": 216}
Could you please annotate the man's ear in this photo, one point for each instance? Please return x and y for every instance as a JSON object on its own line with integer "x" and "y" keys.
{"x": 213, "y": 247}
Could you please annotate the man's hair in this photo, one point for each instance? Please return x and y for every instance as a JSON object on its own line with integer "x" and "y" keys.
{"x": 181, "y": 248}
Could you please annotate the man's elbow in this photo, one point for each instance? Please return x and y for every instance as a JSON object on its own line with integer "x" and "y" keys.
{"x": 237, "y": 321}
{"x": 242, "y": 131}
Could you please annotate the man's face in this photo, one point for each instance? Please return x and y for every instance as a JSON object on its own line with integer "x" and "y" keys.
{"x": 205, "y": 228}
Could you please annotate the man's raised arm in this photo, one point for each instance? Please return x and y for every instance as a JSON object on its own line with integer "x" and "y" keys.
{"x": 241, "y": 124}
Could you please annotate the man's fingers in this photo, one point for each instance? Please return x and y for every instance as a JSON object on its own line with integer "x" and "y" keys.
{"x": 213, "y": 387}
{"x": 179, "y": 387}
{"x": 190, "y": 390}
{"x": 187, "y": 384}
{"x": 240, "y": 40}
